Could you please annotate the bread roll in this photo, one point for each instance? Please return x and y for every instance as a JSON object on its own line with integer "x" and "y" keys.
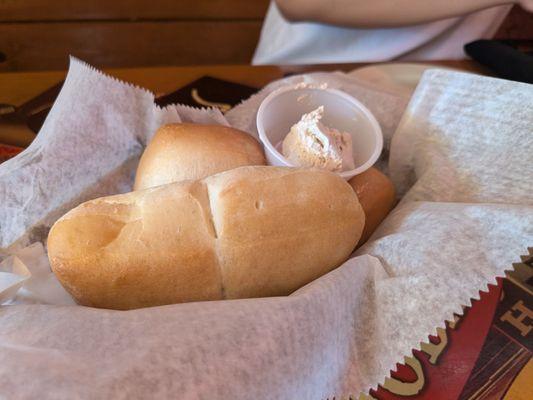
{"x": 180, "y": 152}
{"x": 248, "y": 232}
{"x": 376, "y": 194}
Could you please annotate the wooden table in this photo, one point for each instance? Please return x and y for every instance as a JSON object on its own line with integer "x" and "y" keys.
{"x": 16, "y": 88}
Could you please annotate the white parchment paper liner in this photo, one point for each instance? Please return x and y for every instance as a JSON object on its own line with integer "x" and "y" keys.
{"x": 88, "y": 147}
{"x": 337, "y": 336}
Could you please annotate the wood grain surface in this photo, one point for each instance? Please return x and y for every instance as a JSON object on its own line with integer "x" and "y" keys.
{"x": 18, "y": 87}
{"x": 41, "y": 46}
{"x": 40, "y": 34}
{"x": 61, "y": 10}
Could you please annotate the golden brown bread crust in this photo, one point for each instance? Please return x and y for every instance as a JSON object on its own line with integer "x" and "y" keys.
{"x": 376, "y": 194}
{"x": 248, "y": 232}
{"x": 129, "y": 251}
{"x": 180, "y": 152}
{"x": 279, "y": 229}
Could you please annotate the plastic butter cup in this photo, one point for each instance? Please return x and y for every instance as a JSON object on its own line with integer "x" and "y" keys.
{"x": 281, "y": 109}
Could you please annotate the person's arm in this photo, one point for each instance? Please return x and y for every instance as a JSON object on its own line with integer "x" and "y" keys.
{"x": 382, "y": 13}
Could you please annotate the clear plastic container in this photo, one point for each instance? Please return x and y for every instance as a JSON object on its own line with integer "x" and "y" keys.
{"x": 281, "y": 109}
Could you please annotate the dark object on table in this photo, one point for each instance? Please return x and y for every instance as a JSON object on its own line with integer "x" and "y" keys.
{"x": 18, "y": 125}
{"x": 503, "y": 58}
{"x": 36, "y": 109}
{"x": 209, "y": 92}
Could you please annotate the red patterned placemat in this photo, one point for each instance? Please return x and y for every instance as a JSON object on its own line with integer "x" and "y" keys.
{"x": 485, "y": 354}
{"x": 6, "y": 152}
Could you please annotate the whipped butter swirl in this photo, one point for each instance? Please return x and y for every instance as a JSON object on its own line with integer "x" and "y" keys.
{"x": 312, "y": 144}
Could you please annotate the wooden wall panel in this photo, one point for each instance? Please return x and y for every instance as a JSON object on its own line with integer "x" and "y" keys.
{"x": 45, "y": 46}
{"x": 61, "y": 10}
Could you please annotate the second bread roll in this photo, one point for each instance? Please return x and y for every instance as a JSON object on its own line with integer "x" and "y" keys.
{"x": 248, "y": 232}
{"x": 376, "y": 194}
{"x": 180, "y": 152}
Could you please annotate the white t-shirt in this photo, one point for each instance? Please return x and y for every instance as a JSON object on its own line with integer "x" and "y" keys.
{"x": 283, "y": 42}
